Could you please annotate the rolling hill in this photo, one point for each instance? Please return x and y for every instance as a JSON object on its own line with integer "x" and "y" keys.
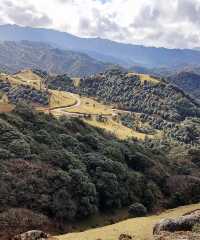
{"x": 188, "y": 81}
{"x": 15, "y": 56}
{"x": 105, "y": 50}
{"x": 156, "y": 102}
{"x": 64, "y": 170}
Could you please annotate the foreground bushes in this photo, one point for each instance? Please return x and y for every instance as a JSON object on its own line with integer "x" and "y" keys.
{"x": 67, "y": 170}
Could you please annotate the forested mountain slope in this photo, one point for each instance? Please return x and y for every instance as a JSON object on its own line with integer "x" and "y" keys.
{"x": 188, "y": 81}
{"x": 104, "y": 49}
{"x": 65, "y": 170}
{"x": 15, "y": 56}
{"x": 159, "y": 103}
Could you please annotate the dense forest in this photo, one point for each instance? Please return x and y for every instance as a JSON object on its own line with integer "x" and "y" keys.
{"x": 188, "y": 81}
{"x": 64, "y": 169}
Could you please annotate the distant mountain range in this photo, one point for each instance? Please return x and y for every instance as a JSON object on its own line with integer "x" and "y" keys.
{"x": 15, "y": 56}
{"x": 104, "y": 50}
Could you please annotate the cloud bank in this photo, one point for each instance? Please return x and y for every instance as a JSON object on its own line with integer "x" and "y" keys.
{"x": 172, "y": 23}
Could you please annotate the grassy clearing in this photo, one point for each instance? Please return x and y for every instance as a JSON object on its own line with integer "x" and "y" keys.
{"x": 60, "y": 99}
{"x": 6, "y": 107}
{"x": 117, "y": 129}
{"x": 141, "y": 228}
{"x": 10, "y": 79}
{"x": 90, "y": 106}
{"x": 27, "y": 77}
{"x": 76, "y": 82}
{"x": 145, "y": 77}
{"x": 76, "y": 104}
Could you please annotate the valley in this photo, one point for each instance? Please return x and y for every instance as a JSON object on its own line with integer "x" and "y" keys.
{"x": 85, "y": 132}
{"x": 99, "y": 120}
{"x": 103, "y": 133}
{"x": 65, "y": 103}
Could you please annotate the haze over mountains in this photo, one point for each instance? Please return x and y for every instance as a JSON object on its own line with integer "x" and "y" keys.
{"x": 104, "y": 50}
{"x": 15, "y": 56}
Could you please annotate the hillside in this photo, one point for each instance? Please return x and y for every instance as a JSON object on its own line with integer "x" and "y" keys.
{"x": 64, "y": 171}
{"x": 67, "y": 170}
{"x": 153, "y": 101}
{"x": 139, "y": 228}
{"x": 61, "y": 103}
{"x": 188, "y": 81}
{"x": 15, "y": 56}
{"x": 105, "y": 50}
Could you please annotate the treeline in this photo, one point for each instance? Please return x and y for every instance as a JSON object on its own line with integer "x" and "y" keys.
{"x": 23, "y": 93}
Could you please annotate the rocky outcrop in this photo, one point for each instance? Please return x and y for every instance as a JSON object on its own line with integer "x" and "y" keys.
{"x": 177, "y": 236}
{"x": 31, "y": 235}
{"x": 125, "y": 237}
{"x": 183, "y": 223}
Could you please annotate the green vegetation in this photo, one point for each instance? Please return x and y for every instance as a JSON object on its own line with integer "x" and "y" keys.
{"x": 67, "y": 170}
{"x": 62, "y": 170}
{"x": 137, "y": 210}
{"x": 189, "y": 81}
{"x": 159, "y": 106}
{"x": 23, "y": 92}
{"x": 15, "y": 56}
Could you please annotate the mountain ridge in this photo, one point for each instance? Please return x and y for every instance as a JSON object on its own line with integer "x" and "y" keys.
{"x": 15, "y": 56}
{"x": 119, "y": 53}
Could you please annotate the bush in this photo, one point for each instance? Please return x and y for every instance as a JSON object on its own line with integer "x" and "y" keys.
{"x": 137, "y": 210}
{"x": 17, "y": 220}
{"x": 196, "y": 228}
{"x": 19, "y": 147}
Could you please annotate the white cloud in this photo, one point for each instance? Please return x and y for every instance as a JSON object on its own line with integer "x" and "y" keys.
{"x": 171, "y": 23}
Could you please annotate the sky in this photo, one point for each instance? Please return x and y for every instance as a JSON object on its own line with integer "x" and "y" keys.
{"x": 167, "y": 23}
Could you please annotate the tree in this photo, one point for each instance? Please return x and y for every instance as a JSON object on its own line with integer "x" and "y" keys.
{"x": 137, "y": 210}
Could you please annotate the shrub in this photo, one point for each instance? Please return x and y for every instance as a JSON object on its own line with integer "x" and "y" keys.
{"x": 19, "y": 147}
{"x": 17, "y": 220}
{"x": 137, "y": 210}
{"x": 196, "y": 228}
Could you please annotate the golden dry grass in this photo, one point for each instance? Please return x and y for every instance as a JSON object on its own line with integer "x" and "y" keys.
{"x": 27, "y": 77}
{"x": 141, "y": 228}
{"x": 76, "y": 82}
{"x": 58, "y": 99}
{"x": 90, "y": 106}
{"x": 10, "y": 79}
{"x": 145, "y": 77}
{"x": 6, "y": 107}
{"x": 82, "y": 105}
{"x": 61, "y": 98}
{"x": 117, "y": 129}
